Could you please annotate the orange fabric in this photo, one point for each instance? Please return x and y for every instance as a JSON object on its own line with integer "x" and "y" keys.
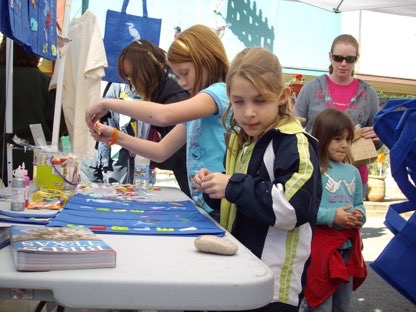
{"x": 60, "y": 11}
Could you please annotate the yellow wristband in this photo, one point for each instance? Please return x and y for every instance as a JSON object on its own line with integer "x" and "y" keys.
{"x": 114, "y": 138}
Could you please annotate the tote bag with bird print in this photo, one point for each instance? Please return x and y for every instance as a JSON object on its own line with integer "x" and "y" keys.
{"x": 121, "y": 29}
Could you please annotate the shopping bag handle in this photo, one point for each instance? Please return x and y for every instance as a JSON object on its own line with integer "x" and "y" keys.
{"x": 394, "y": 221}
{"x": 405, "y": 135}
{"x": 126, "y": 3}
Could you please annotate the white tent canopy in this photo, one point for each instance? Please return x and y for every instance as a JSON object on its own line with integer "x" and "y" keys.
{"x": 399, "y": 7}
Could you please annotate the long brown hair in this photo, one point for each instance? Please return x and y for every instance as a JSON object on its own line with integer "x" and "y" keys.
{"x": 328, "y": 124}
{"x": 261, "y": 68}
{"x": 147, "y": 62}
{"x": 201, "y": 46}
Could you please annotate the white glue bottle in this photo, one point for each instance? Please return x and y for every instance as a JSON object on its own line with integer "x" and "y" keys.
{"x": 18, "y": 190}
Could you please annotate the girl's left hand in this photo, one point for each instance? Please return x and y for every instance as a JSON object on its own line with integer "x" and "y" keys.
{"x": 215, "y": 184}
{"x": 199, "y": 177}
{"x": 355, "y": 220}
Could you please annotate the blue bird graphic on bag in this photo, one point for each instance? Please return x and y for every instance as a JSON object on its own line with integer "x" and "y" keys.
{"x": 133, "y": 31}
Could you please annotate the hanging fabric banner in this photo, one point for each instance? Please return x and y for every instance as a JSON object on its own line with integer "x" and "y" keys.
{"x": 43, "y": 28}
{"x": 31, "y": 24}
{"x": 15, "y": 20}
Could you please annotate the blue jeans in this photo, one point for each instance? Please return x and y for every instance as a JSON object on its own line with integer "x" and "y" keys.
{"x": 365, "y": 190}
{"x": 340, "y": 300}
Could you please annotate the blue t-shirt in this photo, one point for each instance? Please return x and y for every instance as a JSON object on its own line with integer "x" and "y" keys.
{"x": 205, "y": 139}
{"x": 341, "y": 187}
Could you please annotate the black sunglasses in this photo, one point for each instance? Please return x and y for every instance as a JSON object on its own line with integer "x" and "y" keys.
{"x": 348, "y": 59}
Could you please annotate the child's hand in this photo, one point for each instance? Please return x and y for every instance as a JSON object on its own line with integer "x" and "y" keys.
{"x": 214, "y": 184}
{"x": 101, "y": 133}
{"x": 349, "y": 220}
{"x": 342, "y": 216}
{"x": 357, "y": 214}
{"x": 94, "y": 112}
{"x": 199, "y": 177}
{"x": 356, "y": 219}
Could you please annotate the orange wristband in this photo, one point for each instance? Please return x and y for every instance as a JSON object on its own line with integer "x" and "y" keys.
{"x": 114, "y": 138}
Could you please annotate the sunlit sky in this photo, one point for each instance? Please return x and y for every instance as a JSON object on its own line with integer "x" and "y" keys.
{"x": 303, "y": 34}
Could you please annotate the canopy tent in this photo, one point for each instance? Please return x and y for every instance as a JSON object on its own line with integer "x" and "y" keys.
{"x": 407, "y": 7}
{"x": 398, "y": 7}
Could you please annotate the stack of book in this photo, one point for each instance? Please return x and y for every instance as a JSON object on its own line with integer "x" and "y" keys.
{"x": 4, "y": 236}
{"x": 52, "y": 248}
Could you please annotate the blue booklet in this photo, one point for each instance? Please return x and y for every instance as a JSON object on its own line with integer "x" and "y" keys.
{"x": 25, "y": 217}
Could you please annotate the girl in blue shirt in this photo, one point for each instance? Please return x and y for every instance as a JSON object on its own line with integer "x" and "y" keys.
{"x": 197, "y": 56}
{"x": 337, "y": 266}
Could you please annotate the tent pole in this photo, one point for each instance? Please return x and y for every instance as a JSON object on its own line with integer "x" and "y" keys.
{"x": 9, "y": 106}
{"x": 337, "y": 10}
{"x": 85, "y": 4}
{"x": 59, "y": 81}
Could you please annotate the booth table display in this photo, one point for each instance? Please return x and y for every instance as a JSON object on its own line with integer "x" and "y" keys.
{"x": 135, "y": 217}
{"x": 152, "y": 272}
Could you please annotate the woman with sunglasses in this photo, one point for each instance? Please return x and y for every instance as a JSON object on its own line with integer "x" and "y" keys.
{"x": 340, "y": 90}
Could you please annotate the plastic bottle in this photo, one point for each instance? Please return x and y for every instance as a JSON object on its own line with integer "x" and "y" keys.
{"x": 141, "y": 174}
{"x": 27, "y": 184}
{"x": 18, "y": 190}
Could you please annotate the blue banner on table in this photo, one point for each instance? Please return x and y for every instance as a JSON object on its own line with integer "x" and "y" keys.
{"x": 114, "y": 216}
{"x": 121, "y": 29}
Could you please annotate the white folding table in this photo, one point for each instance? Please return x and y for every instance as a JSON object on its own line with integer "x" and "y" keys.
{"x": 152, "y": 272}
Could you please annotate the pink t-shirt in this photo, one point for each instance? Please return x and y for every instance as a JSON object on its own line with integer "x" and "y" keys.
{"x": 342, "y": 94}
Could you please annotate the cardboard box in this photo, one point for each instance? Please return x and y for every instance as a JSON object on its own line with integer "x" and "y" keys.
{"x": 363, "y": 150}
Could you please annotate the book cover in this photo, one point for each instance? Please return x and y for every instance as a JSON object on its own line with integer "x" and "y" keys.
{"x": 59, "y": 248}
